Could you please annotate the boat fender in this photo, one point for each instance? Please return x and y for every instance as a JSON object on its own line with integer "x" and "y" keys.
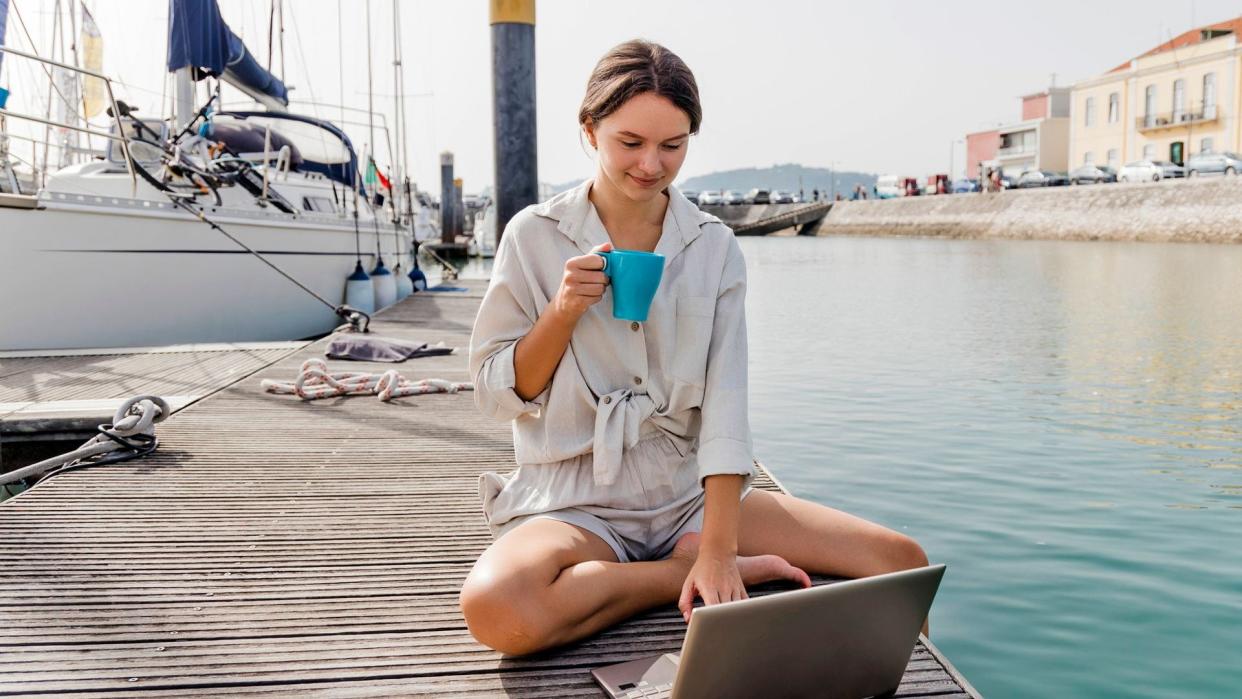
{"x": 359, "y": 290}
{"x": 385, "y": 285}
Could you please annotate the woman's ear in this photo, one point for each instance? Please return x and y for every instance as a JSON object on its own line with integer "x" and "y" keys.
{"x": 588, "y": 128}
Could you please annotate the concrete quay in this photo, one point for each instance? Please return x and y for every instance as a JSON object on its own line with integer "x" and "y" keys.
{"x": 1198, "y": 210}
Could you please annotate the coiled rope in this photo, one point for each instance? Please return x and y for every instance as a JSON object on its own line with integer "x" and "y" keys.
{"x": 314, "y": 381}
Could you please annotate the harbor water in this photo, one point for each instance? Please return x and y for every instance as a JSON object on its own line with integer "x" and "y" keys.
{"x": 1059, "y": 422}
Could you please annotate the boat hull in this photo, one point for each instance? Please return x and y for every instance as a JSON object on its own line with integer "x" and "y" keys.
{"x": 78, "y": 275}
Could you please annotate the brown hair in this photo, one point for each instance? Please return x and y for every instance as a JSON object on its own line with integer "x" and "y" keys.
{"x": 635, "y": 67}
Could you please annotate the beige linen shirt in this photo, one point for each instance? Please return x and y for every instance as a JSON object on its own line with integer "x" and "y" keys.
{"x": 683, "y": 372}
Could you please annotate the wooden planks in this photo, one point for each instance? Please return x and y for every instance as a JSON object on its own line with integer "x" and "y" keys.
{"x": 73, "y": 391}
{"x": 276, "y": 547}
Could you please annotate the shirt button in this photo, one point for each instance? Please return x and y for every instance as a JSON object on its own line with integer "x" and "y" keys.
{"x": 638, "y": 379}
{"x": 607, "y": 399}
{"x": 634, "y": 326}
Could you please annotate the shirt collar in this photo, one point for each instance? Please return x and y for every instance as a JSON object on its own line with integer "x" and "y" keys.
{"x": 576, "y": 218}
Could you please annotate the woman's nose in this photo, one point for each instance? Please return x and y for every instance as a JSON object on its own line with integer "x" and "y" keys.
{"x": 650, "y": 163}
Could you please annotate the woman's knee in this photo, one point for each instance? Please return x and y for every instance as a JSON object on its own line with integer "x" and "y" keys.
{"x": 504, "y": 611}
{"x": 902, "y": 553}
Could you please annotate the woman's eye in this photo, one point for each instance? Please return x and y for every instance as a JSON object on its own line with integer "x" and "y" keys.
{"x": 672, "y": 147}
{"x": 628, "y": 144}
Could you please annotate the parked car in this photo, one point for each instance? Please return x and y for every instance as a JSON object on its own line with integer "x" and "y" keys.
{"x": 710, "y": 196}
{"x": 965, "y": 185}
{"x": 1168, "y": 169}
{"x": 732, "y": 197}
{"x": 692, "y": 195}
{"x": 1142, "y": 171}
{"x": 780, "y": 196}
{"x": 1225, "y": 163}
{"x": 1092, "y": 174}
{"x": 758, "y": 196}
{"x": 888, "y": 187}
{"x": 1042, "y": 178}
{"x": 937, "y": 184}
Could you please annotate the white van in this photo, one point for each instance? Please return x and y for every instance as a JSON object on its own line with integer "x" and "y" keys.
{"x": 886, "y": 187}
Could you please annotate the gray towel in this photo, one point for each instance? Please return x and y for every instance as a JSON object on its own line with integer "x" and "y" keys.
{"x": 374, "y": 348}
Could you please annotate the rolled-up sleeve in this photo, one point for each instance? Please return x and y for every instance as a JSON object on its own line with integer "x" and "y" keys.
{"x": 724, "y": 438}
{"x": 506, "y": 314}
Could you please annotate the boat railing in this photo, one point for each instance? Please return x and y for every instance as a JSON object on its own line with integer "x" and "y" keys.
{"x": 114, "y": 112}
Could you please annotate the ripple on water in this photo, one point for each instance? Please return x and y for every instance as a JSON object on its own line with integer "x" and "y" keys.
{"x": 1056, "y": 421}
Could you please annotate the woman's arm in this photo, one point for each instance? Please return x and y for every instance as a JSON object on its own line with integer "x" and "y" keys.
{"x": 721, "y": 505}
{"x": 539, "y": 352}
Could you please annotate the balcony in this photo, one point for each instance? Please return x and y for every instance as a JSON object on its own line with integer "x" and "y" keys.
{"x": 1011, "y": 151}
{"x": 1176, "y": 119}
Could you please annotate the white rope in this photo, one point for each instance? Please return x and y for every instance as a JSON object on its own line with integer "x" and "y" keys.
{"x": 135, "y": 417}
{"x": 314, "y": 381}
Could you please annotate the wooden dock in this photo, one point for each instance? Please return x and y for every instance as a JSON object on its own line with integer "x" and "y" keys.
{"x": 277, "y": 547}
{"x": 66, "y": 394}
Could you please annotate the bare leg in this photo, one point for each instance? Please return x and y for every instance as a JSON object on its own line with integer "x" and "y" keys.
{"x": 822, "y": 540}
{"x": 547, "y": 583}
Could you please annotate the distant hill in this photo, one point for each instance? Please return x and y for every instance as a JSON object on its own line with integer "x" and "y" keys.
{"x": 775, "y": 177}
{"x": 781, "y": 177}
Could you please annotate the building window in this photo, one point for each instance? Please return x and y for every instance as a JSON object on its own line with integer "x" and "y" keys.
{"x": 1205, "y": 145}
{"x": 1088, "y": 158}
{"x": 1113, "y": 158}
{"x": 1114, "y": 107}
{"x": 1149, "y": 152}
{"x": 1149, "y": 107}
{"x": 1179, "y": 100}
{"x": 1089, "y": 111}
{"x": 1209, "y": 96}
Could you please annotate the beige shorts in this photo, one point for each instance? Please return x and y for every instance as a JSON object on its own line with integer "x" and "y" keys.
{"x": 655, "y": 501}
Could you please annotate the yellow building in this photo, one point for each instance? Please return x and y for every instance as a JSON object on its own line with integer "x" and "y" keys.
{"x": 1178, "y": 99}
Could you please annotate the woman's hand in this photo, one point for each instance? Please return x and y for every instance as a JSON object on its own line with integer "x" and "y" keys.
{"x": 583, "y": 283}
{"x": 715, "y": 578}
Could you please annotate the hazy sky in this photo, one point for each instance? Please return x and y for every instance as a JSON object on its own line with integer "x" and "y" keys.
{"x": 873, "y": 86}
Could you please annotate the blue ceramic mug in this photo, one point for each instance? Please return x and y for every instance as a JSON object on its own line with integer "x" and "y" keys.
{"x": 634, "y": 276}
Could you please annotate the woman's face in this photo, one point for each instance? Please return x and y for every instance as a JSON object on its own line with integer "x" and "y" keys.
{"x": 641, "y": 145}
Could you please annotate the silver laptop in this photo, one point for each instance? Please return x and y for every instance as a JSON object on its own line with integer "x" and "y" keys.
{"x": 847, "y": 640}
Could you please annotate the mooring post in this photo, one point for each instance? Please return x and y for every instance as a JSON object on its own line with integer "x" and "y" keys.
{"x": 448, "y": 197}
{"x": 513, "y": 107}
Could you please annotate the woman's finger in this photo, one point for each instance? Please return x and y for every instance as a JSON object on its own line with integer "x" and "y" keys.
{"x": 710, "y": 596}
{"x": 686, "y": 603}
{"x": 593, "y": 291}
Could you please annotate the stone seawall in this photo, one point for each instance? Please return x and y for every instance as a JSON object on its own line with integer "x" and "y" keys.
{"x": 1207, "y": 210}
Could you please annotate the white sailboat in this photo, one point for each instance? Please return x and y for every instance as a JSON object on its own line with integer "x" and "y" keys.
{"x": 115, "y": 252}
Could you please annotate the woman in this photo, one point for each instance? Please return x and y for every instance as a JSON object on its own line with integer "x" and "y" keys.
{"x": 632, "y": 439}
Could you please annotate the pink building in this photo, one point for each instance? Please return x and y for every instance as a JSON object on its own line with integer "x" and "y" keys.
{"x": 1039, "y": 141}
{"x": 981, "y": 147}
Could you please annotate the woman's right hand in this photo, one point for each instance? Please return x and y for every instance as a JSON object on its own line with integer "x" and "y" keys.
{"x": 583, "y": 283}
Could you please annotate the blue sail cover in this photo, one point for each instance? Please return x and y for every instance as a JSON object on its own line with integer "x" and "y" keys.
{"x": 4, "y": 19}
{"x": 199, "y": 38}
{"x": 323, "y": 146}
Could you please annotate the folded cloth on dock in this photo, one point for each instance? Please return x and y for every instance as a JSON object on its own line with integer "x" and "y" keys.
{"x": 374, "y": 348}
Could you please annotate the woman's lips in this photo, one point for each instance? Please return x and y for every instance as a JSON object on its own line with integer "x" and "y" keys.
{"x": 645, "y": 183}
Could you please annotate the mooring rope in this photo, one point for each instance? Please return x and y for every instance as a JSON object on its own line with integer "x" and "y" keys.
{"x": 314, "y": 381}
{"x": 131, "y": 434}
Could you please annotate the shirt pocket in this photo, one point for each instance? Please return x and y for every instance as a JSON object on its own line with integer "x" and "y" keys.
{"x": 693, "y": 338}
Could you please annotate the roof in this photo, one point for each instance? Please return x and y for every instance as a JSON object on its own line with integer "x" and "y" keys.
{"x": 1194, "y": 36}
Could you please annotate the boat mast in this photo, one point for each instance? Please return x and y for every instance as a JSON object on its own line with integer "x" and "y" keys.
{"x": 396, "y": 109}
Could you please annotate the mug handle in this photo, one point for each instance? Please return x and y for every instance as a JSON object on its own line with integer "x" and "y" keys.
{"x": 604, "y": 269}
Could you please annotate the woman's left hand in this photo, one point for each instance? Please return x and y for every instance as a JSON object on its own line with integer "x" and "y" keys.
{"x": 715, "y": 578}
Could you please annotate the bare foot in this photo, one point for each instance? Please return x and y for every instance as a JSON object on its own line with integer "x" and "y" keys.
{"x": 753, "y": 569}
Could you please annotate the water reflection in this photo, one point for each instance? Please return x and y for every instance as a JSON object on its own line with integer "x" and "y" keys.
{"x": 1058, "y": 421}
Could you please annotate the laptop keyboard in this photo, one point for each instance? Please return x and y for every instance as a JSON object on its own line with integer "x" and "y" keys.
{"x": 649, "y": 691}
